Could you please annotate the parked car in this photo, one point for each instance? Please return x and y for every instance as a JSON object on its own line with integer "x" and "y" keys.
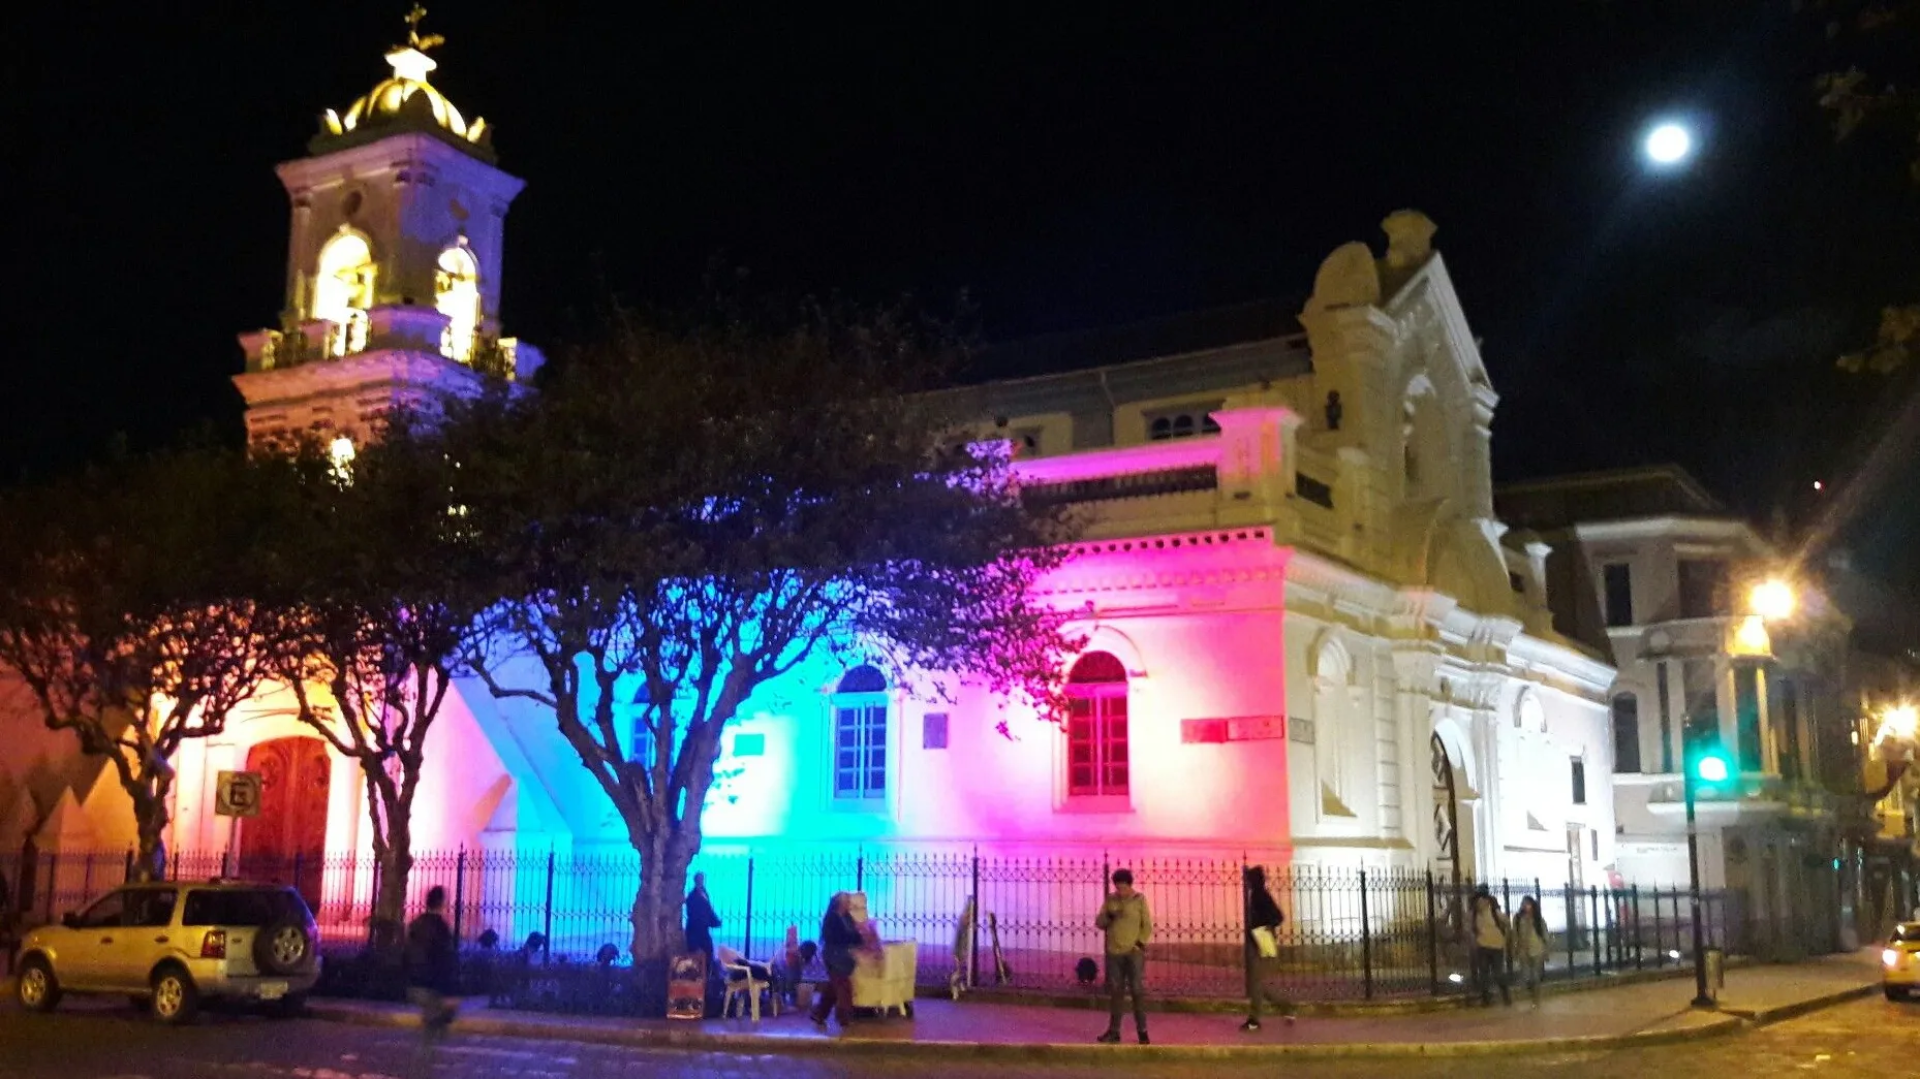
{"x": 1900, "y": 961}
{"x": 170, "y": 945}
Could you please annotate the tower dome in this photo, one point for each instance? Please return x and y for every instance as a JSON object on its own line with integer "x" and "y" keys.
{"x": 405, "y": 101}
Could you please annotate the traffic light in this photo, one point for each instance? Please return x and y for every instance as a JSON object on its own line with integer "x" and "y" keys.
{"x": 1712, "y": 766}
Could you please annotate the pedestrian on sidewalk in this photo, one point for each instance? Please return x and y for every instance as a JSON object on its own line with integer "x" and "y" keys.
{"x": 839, "y": 939}
{"x": 1490, "y": 947}
{"x": 701, "y": 920}
{"x": 1129, "y": 928}
{"x": 433, "y": 970}
{"x": 1262, "y": 949}
{"x": 1531, "y": 946}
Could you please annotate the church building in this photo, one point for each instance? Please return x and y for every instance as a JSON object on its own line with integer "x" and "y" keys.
{"x": 1310, "y": 639}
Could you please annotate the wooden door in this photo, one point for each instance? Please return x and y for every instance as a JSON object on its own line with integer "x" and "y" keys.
{"x": 290, "y": 834}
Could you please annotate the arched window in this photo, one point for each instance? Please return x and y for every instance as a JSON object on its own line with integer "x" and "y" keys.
{"x": 1097, "y": 735}
{"x": 456, "y": 292}
{"x": 1332, "y": 710}
{"x": 343, "y": 290}
{"x": 1626, "y": 733}
{"x": 860, "y": 735}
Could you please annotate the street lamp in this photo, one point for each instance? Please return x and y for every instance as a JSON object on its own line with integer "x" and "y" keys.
{"x": 1706, "y": 765}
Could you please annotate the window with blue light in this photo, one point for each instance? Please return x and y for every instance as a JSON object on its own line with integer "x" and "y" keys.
{"x": 860, "y": 735}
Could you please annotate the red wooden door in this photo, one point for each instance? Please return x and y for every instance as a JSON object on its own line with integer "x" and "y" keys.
{"x": 291, "y": 831}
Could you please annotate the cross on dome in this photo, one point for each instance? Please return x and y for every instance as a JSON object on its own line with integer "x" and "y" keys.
{"x": 405, "y": 101}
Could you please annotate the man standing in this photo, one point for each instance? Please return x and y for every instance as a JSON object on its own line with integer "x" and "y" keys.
{"x": 433, "y": 966}
{"x": 701, "y": 919}
{"x": 1129, "y": 928}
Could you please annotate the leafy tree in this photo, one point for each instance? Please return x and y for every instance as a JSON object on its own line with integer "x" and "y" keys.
{"x": 1874, "y": 90}
{"x": 379, "y": 577}
{"x": 125, "y": 607}
{"x": 687, "y": 514}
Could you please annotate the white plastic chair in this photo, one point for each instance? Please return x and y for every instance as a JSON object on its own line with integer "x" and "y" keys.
{"x": 746, "y": 980}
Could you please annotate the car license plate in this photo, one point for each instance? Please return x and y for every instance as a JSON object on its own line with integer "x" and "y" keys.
{"x": 272, "y": 990}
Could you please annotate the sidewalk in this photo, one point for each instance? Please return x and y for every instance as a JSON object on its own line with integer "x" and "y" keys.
{"x": 1608, "y": 1018}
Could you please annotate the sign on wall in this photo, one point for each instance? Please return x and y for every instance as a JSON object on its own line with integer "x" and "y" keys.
{"x": 1234, "y": 729}
{"x": 237, "y": 794}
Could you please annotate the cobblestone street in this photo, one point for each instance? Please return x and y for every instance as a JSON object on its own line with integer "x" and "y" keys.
{"x": 1866, "y": 1038}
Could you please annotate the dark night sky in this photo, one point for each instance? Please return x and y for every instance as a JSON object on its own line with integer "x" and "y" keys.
{"x": 1069, "y": 168}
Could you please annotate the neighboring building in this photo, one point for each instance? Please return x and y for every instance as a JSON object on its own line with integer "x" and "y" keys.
{"x": 1649, "y": 567}
{"x": 1311, "y": 639}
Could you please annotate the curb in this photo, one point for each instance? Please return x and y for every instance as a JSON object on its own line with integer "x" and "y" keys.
{"x": 654, "y": 1038}
{"x": 1761, "y": 1017}
{"x": 1349, "y": 1009}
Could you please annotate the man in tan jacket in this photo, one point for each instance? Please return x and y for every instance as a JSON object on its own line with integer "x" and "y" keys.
{"x": 1129, "y": 928}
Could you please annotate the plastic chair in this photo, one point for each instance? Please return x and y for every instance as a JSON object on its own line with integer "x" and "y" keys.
{"x": 746, "y": 981}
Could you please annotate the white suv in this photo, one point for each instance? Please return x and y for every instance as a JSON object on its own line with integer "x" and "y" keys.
{"x": 172, "y": 944}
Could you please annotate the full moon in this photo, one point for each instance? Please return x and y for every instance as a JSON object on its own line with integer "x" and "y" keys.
{"x": 1668, "y": 144}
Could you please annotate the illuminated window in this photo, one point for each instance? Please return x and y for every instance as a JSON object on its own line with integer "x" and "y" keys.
{"x": 343, "y": 290}
{"x": 860, "y": 735}
{"x": 340, "y": 452}
{"x": 456, "y": 290}
{"x": 1097, "y": 735}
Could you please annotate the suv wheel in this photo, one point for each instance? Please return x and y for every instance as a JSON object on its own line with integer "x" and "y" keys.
{"x": 175, "y": 1000}
{"x": 282, "y": 948}
{"x": 38, "y": 991}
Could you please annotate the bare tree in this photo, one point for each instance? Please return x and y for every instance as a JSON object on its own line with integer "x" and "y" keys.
{"x": 379, "y": 574}
{"x": 125, "y": 608}
{"x": 686, "y": 515}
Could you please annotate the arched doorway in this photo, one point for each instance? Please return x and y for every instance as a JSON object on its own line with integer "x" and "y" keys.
{"x": 290, "y": 834}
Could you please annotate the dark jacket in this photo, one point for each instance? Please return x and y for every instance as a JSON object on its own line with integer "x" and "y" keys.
{"x": 701, "y": 922}
{"x": 838, "y": 939}
{"x": 1262, "y": 911}
{"x": 433, "y": 959}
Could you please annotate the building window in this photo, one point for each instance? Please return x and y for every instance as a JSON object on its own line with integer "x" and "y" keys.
{"x": 1619, "y": 594}
{"x": 1703, "y": 588}
{"x": 749, "y": 745}
{"x": 933, "y": 730}
{"x": 640, "y": 740}
{"x": 343, "y": 290}
{"x": 1626, "y": 733}
{"x": 1579, "y": 781}
{"x": 1516, "y": 582}
{"x": 1183, "y": 422}
{"x": 456, "y": 288}
{"x": 1312, "y": 490}
{"x": 860, "y": 735}
{"x": 1097, "y": 733}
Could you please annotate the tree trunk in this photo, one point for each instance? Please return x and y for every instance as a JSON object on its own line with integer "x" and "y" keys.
{"x": 393, "y": 860}
{"x": 657, "y": 930}
{"x": 150, "y": 825}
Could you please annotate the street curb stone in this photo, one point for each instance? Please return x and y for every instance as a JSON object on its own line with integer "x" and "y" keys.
{"x": 1761, "y": 1017}
{"x": 655, "y": 1038}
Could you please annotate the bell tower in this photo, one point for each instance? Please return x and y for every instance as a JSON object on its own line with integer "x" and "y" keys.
{"x": 393, "y": 262}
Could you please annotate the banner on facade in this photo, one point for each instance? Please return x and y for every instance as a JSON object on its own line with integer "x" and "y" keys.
{"x": 237, "y": 794}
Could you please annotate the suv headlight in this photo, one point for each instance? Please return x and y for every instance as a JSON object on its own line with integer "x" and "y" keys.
{"x": 1890, "y": 956}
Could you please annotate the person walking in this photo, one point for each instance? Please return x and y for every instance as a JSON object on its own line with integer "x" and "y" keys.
{"x": 1262, "y": 948}
{"x": 701, "y": 920}
{"x": 433, "y": 968}
{"x": 1490, "y": 947}
{"x": 1128, "y": 924}
{"x": 1531, "y": 946}
{"x": 839, "y": 939}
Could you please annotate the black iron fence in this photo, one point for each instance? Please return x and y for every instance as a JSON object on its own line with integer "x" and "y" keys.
{"x": 1012, "y": 922}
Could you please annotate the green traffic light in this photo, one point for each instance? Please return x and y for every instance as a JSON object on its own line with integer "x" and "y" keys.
{"x": 1712, "y": 768}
